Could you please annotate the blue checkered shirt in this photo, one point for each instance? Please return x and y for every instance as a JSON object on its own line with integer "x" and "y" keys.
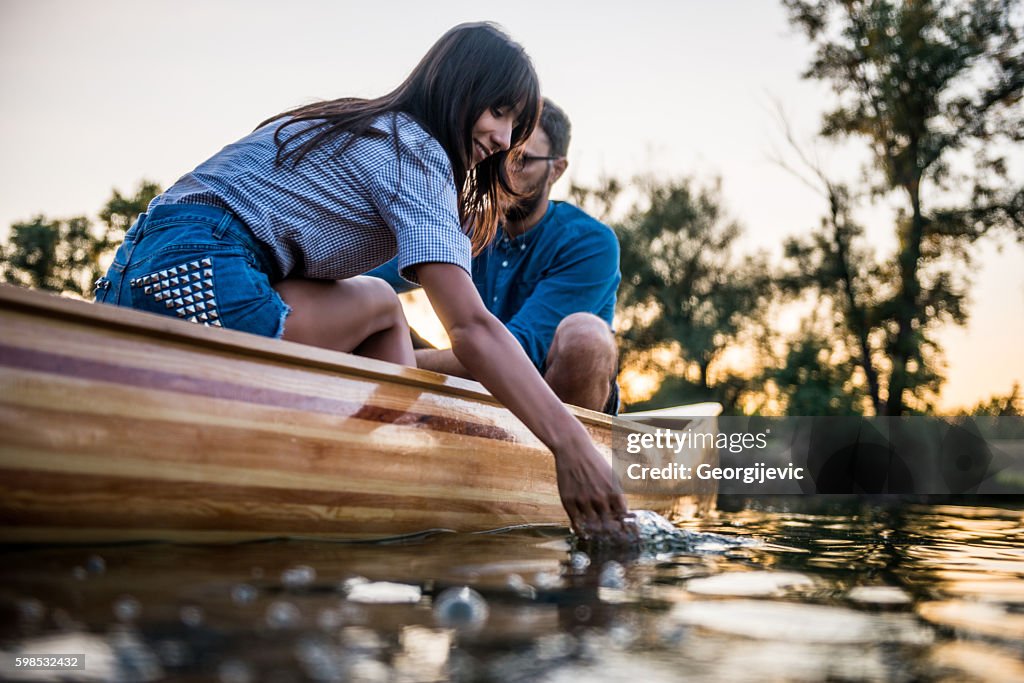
{"x": 335, "y": 215}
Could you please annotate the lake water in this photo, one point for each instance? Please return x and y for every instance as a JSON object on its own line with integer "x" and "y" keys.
{"x": 840, "y": 591}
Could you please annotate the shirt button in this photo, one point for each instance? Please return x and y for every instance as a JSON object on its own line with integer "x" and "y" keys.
{"x": 522, "y": 246}
{"x": 494, "y": 299}
{"x": 504, "y": 264}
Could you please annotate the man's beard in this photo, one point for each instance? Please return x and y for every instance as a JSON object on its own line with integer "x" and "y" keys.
{"x": 525, "y": 206}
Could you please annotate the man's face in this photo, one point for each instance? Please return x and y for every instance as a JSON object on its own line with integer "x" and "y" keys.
{"x": 532, "y": 179}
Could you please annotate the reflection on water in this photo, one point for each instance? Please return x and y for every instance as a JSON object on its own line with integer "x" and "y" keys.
{"x": 852, "y": 593}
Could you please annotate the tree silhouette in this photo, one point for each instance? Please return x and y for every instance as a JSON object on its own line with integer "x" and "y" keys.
{"x": 56, "y": 255}
{"x": 66, "y": 255}
{"x": 934, "y": 87}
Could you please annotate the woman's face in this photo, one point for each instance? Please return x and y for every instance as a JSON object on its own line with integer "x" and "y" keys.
{"x": 492, "y": 133}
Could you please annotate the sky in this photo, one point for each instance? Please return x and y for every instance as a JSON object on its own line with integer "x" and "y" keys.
{"x": 98, "y": 94}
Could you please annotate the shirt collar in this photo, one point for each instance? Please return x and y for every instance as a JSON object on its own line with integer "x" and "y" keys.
{"x": 527, "y": 237}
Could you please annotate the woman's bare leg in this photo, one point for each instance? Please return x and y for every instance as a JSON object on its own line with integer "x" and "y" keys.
{"x": 360, "y": 315}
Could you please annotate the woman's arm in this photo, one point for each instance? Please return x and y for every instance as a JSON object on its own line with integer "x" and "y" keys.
{"x": 589, "y": 492}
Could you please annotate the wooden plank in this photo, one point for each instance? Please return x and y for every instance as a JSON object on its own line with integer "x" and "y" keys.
{"x": 106, "y": 501}
{"x": 138, "y": 323}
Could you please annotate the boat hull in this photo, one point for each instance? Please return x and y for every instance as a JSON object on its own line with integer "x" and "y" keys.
{"x": 121, "y": 425}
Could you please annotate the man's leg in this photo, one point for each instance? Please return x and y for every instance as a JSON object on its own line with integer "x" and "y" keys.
{"x": 582, "y": 361}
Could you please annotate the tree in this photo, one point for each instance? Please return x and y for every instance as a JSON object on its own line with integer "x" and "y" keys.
{"x": 925, "y": 83}
{"x": 120, "y": 211}
{"x": 830, "y": 262}
{"x": 1009, "y": 405}
{"x": 66, "y": 255}
{"x": 57, "y": 255}
{"x": 850, "y": 285}
{"x": 816, "y": 377}
{"x": 684, "y": 290}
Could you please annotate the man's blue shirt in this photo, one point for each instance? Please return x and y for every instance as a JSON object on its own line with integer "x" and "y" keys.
{"x": 567, "y": 263}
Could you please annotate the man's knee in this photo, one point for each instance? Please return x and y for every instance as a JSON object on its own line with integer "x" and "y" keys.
{"x": 584, "y": 336}
{"x": 582, "y": 361}
{"x": 584, "y": 342}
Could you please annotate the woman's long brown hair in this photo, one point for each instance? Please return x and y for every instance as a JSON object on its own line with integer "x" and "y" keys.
{"x": 470, "y": 69}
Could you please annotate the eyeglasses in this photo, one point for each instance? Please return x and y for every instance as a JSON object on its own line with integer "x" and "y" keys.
{"x": 521, "y": 163}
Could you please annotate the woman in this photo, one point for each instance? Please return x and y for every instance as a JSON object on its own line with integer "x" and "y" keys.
{"x": 269, "y": 235}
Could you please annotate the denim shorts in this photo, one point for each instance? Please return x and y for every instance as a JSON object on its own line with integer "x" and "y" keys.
{"x": 197, "y": 263}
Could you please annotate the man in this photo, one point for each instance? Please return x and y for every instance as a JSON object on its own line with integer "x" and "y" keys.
{"x": 550, "y": 276}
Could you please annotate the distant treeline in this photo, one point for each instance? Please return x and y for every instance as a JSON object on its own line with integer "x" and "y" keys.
{"x": 68, "y": 254}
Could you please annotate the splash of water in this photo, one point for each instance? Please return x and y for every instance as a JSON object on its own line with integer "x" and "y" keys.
{"x": 656, "y": 534}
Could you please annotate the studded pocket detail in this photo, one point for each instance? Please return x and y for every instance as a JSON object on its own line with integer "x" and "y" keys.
{"x": 187, "y": 289}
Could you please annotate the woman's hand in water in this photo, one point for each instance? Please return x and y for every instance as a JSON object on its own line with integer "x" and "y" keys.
{"x": 591, "y": 495}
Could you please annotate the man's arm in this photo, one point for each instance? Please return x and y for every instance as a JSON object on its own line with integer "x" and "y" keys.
{"x": 441, "y": 360}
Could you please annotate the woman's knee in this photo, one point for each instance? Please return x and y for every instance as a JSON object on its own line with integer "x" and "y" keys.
{"x": 380, "y": 298}
{"x": 339, "y": 314}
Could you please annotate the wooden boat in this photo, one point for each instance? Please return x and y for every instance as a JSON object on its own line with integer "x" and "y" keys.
{"x": 121, "y": 425}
